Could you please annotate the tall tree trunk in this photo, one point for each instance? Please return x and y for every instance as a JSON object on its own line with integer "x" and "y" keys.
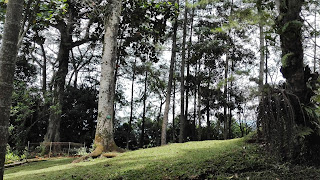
{"x": 169, "y": 87}
{"x": 297, "y": 93}
{"x": 291, "y": 46}
{"x": 8, "y": 55}
{"x": 227, "y": 122}
{"x": 53, "y": 130}
{"x": 144, "y": 109}
{"x": 199, "y": 112}
{"x": 266, "y": 62}
{"x": 241, "y": 125}
{"x": 225, "y": 95}
{"x": 158, "y": 134}
{"x": 208, "y": 108}
{"x": 193, "y": 129}
{"x": 198, "y": 69}
{"x": 315, "y": 41}
{"x": 183, "y": 61}
{"x": 104, "y": 137}
{"x": 131, "y": 103}
{"x": 44, "y": 71}
{"x": 218, "y": 128}
{"x": 188, "y": 72}
{"x": 174, "y": 109}
{"x": 262, "y": 57}
{"x": 230, "y": 100}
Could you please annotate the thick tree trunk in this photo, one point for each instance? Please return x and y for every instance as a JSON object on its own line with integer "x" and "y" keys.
{"x": 182, "y": 88}
{"x": 53, "y": 130}
{"x": 169, "y": 87}
{"x": 104, "y": 139}
{"x": 66, "y": 29}
{"x": 8, "y": 54}
{"x": 291, "y": 45}
{"x": 282, "y": 129}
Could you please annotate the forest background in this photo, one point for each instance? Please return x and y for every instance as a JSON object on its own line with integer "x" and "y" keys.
{"x": 223, "y": 56}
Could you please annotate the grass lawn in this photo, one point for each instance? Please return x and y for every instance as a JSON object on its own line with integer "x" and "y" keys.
{"x": 230, "y": 159}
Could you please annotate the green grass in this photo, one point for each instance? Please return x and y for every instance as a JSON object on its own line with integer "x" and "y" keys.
{"x": 193, "y": 160}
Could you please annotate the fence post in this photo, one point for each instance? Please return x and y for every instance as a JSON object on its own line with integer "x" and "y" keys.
{"x": 27, "y": 154}
{"x": 69, "y": 149}
{"x": 50, "y": 149}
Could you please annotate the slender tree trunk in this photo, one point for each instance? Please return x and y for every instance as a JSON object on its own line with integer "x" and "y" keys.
{"x": 169, "y": 87}
{"x": 193, "y": 130}
{"x": 199, "y": 101}
{"x": 230, "y": 100}
{"x": 218, "y": 128}
{"x": 262, "y": 57}
{"x": 131, "y": 103}
{"x": 144, "y": 109}
{"x": 266, "y": 62}
{"x": 174, "y": 109}
{"x": 315, "y": 43}
{"x": 158, "y": 136}
{"x": 75, "y": 82}
{"x": 182, "y": 88}
{"x": 104, "y": 138}
{"x": 208, "y": 108}
{"x": 225, "y": 95}
{"x": 44, "y": 71}
{"x": 199, "y": 112}
{"x": 188, "y": 72}
{"x": 8, "y": 55}
{"x": 241, "y": 125}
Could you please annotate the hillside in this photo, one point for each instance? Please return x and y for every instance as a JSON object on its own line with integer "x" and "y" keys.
{"x": 230, "y": 159}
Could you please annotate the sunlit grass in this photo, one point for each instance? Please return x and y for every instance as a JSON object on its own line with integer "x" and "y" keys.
{"x": 192, "y": 160}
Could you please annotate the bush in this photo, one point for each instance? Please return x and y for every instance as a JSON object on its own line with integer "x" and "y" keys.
{"x": 11, "y": 156}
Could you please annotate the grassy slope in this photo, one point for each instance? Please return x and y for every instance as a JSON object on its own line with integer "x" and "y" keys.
{"x": 194, "y": 160}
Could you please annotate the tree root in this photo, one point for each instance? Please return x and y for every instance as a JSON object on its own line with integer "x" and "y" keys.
{"x": 99, "y": 152}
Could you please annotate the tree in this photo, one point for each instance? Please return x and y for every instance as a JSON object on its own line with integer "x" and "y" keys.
{"x": 290, "y": 120}
{"x": 182, "y": 69}
{"x": 8, "y": 54}
{"x": 66, "y": 25}
{"x": 104, "y": 139}
{"x": 169, "y": 87}
{"x": 262, "y": 54}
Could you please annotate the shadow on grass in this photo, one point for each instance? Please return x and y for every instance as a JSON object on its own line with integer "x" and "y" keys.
{"x": 31, "y": 166}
